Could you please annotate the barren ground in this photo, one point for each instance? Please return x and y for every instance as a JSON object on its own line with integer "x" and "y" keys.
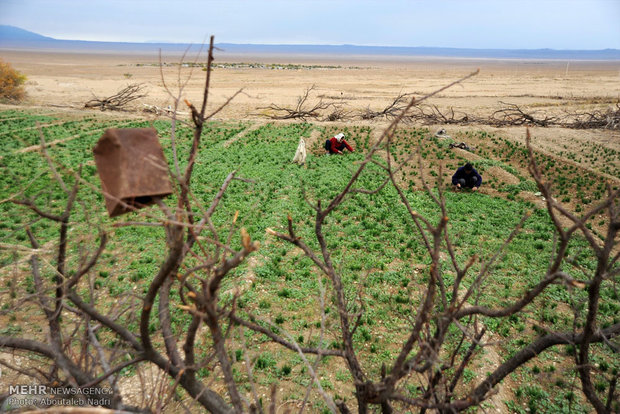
{"x": 70, "y": 79}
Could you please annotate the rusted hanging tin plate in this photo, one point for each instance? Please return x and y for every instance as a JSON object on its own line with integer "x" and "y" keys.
{"x": 132, "y": 169}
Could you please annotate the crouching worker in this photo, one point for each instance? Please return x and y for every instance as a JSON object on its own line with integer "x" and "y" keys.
{"x": 337, "y": 145}
{"x": 467, "y": 177}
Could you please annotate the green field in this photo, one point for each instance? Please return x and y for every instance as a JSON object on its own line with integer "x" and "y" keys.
{"x": 375, "y": 246}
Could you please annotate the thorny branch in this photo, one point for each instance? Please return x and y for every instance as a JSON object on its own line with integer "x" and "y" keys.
{"x": 120, "y": 100}
{"x": 429, "y": 332}
{"x": 303, "y": 109}
{"x": 509, "y": 114}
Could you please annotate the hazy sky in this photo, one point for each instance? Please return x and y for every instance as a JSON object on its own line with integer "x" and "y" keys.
{"x": 510, "y": 24}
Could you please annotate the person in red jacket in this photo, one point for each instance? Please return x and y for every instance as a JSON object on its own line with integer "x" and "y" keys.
{"x": 337, "y": 144}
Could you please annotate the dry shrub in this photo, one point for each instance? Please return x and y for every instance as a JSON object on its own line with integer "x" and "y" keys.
{"x": 11, "y": 83}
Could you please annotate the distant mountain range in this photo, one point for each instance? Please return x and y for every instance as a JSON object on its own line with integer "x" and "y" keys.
{"x": 15, "y": 38}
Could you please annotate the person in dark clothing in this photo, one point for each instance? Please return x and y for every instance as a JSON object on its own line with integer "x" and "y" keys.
{"x": 337, "y": 144}
{"x": 467, "y": 177}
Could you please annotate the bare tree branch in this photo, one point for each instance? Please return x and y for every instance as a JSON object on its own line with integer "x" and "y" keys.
{"x": 120, "y": 100}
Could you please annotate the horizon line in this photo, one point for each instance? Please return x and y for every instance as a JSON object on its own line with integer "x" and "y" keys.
{"x": 185, "y": 43}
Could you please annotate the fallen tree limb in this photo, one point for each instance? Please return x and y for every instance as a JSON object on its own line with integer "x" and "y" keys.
{"x": 119, "y": 100}
{"x": 302, "y": 110}
{"x": 391, "y": 111}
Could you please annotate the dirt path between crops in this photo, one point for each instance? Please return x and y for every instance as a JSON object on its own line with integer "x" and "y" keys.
{"x": 243, "y": 133}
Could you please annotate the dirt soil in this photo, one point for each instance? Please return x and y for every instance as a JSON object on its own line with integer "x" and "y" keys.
{"x": 68, "y": 80}
{"x": 359, "y": 82}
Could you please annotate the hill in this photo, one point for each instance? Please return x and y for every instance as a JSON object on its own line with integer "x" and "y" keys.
{"x": 15, "y": 38}
{"x": 12, "y": 33}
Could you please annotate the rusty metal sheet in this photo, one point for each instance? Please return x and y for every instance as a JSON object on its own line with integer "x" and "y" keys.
{"x": 132, "y": 168}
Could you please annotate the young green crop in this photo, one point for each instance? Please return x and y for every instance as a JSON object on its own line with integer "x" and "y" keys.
{"x": 373, "y": 243}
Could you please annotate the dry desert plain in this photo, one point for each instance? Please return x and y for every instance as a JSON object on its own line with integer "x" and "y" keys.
{"x": 543, "y": 87}
{"x": 63, "y": 82}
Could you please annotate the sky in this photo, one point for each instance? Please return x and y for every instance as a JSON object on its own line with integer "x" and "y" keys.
{"x": 479, "y": 24}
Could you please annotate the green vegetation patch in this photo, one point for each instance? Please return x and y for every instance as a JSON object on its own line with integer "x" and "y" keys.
{"x": 374, "y": 244}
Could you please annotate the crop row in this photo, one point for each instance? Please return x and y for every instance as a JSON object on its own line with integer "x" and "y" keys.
{"x": 372, "y": 240}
